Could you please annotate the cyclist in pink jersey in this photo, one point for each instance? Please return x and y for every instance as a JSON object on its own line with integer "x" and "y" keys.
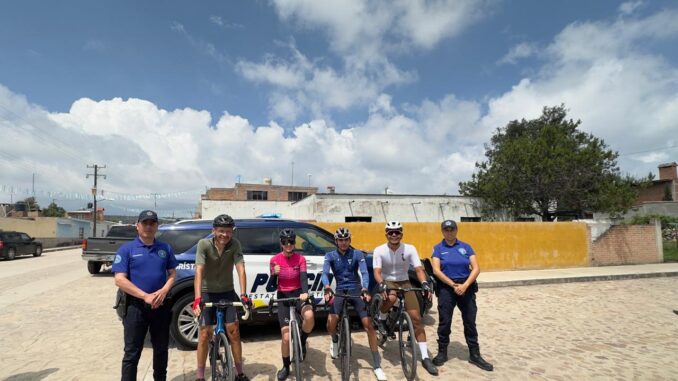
{"x": 288, "y": 269}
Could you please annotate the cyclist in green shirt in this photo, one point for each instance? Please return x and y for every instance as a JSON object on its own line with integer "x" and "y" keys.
{"x": 214, "y": 262}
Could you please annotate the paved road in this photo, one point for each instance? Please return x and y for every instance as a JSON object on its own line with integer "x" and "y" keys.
{"x": 56, "y": 324}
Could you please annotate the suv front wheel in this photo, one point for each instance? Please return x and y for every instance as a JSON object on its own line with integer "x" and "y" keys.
{"x": 184, "y": 326}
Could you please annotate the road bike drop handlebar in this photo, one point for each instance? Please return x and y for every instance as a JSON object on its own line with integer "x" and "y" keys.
{"x": 344, "y": 295}
{"x": 223, "y": 304}
{"x": 283, "y": 300}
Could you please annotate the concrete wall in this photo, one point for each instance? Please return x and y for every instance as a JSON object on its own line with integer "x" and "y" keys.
{"x": 245, "y": 209}
{"x": 336, "y": 207}
{"x": 628, "y": 244}
{"x": 382, "y": 208}
{"x": 35, "y": 227}
{"x": 499, "y": 245}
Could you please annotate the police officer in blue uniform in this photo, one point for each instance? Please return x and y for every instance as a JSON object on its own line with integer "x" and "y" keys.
{"x": 455, "y": 264}
{"x": 145, "y": 270}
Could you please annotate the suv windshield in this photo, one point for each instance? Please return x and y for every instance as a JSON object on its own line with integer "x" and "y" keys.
{"x": 182, "y": 239}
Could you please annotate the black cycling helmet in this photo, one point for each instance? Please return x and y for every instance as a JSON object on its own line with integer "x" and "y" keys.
{"x": 223, "y": 221}
{"x": 287, "y": 234}
{"x": 342, "y": 233}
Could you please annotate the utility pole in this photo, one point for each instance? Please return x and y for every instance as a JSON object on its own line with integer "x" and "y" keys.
{"x": 292, "y": 173}
{"x": 155, "y": 201}
{"x": 96, "y": 175}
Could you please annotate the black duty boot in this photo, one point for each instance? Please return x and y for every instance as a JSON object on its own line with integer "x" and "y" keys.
{"x": 476, "y": 359}
{"x": 441, "y": 357}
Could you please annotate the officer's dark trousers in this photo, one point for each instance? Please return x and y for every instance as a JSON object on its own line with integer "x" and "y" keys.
{"x": 447, "y": 300}
{"x": 141, "y": 319}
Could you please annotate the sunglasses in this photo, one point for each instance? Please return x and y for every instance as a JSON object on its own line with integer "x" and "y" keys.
{"x": 394, "y": 233}
{"x": 288, "y": 242}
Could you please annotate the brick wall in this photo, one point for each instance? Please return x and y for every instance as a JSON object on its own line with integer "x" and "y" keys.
{"x": 625, "y": 245}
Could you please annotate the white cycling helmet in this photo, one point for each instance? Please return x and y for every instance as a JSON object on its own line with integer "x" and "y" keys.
{"x": 394, "y": 225}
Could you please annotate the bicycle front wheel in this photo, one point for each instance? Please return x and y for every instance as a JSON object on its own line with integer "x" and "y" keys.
{"x": 295, "y": 340}
{"x": 408, "y": 346}
{"x": 345, "y": 349}
{"x": 221, "y": 360}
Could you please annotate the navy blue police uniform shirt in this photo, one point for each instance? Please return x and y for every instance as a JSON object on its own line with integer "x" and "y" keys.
{"x": 146, "y": 265}
{"x": 455, "y": 260}
{"x": 345, "y": 269}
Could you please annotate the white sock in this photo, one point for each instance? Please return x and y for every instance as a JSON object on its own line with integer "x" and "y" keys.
{"x": 423, "y": 348}
{"x": 382, "y": 315}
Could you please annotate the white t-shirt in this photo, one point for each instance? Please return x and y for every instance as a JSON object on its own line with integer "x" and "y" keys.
{"x": 395, "y": 264}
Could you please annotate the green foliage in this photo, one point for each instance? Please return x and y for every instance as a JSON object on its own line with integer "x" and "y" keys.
{"x": 32, "y": 204}
{"x": 53, "y": 210}
{"x": 667, "y": 194}
{"x": 670, "y": 251}
{"x": 546, "y": 165}
{"x": 644, "y": 219}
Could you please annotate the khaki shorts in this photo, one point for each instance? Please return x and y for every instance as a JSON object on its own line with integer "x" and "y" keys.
{"x": 411, "y": 302}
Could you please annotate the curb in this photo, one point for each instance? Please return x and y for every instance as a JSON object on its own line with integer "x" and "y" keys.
{"x": 51, "y": 249}
{"x": 588, "y": 278}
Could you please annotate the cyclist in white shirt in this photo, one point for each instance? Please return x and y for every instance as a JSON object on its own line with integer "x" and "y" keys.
{"x": 391, "y": 262}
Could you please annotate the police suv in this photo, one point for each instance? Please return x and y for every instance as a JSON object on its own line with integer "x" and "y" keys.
{"x": 259, "y": 239}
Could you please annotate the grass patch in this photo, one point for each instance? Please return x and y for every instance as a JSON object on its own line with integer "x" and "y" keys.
{"x": 670, "y": 251}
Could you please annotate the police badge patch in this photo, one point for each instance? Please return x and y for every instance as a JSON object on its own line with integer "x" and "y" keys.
{"x": 162, "y": 253}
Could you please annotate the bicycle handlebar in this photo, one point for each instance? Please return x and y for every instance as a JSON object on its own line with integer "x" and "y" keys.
{"x": 292, "y": 299}
{"x": 223, "y": 304}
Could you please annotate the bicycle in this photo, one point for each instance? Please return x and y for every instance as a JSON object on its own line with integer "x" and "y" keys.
{"x": 294, "y": 332}
{"x": 345, "y": 341}
{"x": 221, "y": 357}
{"x": 400, "y": 319}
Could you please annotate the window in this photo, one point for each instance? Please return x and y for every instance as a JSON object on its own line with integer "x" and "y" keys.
{"x": 182, "y": 240}
{"x": 313, "y": 242}
{"x": 296, "y": 196}
{"x": 469, "y": 219}
{"x": 25, "y": 237}
{"x": 257, "y": 195}
{"x": 259, "y": 240}
{"x": 81, "y": 233}
{"x": 357, "y": 219}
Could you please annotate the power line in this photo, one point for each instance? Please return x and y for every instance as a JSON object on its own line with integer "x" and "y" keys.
{"x": 648, "y": 150}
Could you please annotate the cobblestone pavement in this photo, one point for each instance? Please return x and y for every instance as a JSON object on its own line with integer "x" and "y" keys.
{"x": 57, "y": 324}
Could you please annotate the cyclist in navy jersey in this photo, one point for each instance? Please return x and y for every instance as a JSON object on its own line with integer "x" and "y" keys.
{"x": 345, "y": 262}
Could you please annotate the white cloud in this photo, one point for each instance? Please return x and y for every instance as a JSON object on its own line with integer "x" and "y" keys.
{"x": 629, "y": 7}
{"x": 607, "y": 76}
{"x": 363, "y": 35}
{"x": 148, "y": 149}
{"x": 518, "y": 52}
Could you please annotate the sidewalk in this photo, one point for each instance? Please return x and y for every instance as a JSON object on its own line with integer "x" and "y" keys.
{"x": 575, "y": 274}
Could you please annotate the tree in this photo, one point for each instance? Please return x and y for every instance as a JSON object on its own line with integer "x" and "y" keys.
{"x": 546, "y": 165}
{"x": 53, "y": 210}
{"x": 32, "y": 204}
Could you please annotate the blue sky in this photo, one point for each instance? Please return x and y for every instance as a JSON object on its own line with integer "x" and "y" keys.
{"x": 176, "y": 96}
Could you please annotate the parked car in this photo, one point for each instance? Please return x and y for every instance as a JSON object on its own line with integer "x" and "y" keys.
{"x": 101, "y": 251}
{"x": 18, "y": 243}
{"x": 259, "y": 239}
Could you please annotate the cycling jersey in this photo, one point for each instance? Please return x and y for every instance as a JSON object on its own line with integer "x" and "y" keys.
{"x": 345, "y": 269}
{"x": 291, "y": 268}
{"x": 395, "y": 264}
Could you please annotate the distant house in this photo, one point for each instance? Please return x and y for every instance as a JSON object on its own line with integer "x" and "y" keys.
{"x": 663, "y": 189}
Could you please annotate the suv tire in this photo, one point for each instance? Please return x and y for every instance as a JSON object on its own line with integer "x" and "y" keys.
{"x": 184, "y": 325}
{"x": 93, "y": 267}
{"x": 38, "y": 251}
{"x": 11, "y": 253}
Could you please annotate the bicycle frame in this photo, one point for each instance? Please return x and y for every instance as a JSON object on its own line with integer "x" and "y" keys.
{"x": 345, "y": 334}
{"x": 222, "y": 363}
{"x": 294, "y": 328}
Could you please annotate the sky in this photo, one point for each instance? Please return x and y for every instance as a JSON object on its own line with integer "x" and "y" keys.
{"x": 173, "y": 97}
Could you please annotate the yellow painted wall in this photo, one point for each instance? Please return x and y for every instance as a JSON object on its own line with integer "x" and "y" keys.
{"x": 499, "y": 245}
{"x": 35, "y": 227}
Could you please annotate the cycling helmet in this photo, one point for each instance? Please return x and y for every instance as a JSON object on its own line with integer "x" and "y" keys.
{"x": 394, "y": 225}
{"x": 223, "y": 220}
{"x": 287, "y": 234}
{"x": 342, "y": 233}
